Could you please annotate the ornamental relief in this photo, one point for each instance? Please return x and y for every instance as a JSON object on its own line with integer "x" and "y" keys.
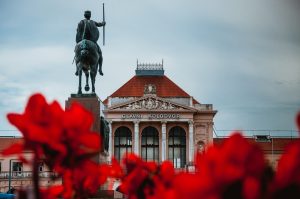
{"x": 150, "y": 89}
{"x": 150, "y": 103}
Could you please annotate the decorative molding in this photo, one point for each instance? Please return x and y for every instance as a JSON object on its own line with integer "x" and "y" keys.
{"x": 191, "y": 122}
{"x": 149, "y": 89}
{"x": 200, "y": 125}
{"x": 151, "y": 103}
{"x": 164, "y": 122}
{"x": 136, "y": 122}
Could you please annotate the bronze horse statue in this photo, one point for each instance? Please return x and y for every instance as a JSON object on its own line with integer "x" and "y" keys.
{"x": 87, "y": 52}
{"x": 87, "y": 57}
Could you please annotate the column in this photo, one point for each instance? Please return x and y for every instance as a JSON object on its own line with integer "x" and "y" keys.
{"x": 210, "y": 132}
{"x": 191, "y": 141}
{"x": 110, "y": 149}
{"x": 163, "y": 141}
{"x": 136, "y": 137}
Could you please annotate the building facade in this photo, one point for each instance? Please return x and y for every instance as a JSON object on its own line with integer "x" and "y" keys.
{"x": 153, "y": 117}
{"x": 15, "y": 174}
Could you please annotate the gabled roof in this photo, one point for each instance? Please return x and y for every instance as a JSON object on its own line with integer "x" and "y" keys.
{"x": 164, "y": 88}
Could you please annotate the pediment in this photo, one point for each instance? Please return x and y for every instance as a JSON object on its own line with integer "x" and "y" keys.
{"x": 150, "y": 103}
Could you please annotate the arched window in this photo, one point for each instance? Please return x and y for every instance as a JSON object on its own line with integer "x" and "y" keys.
{"x": 150, "y": 145}
{"x": 177, "y": 147}
{"x": 122, "y": 142}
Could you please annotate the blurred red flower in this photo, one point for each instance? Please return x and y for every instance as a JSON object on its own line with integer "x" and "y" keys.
{"x": 234, "y": 169}
{"x": 287, "y": 178}
{"x": 231, "y": 170}
{"x": 146, "y": 179}
{"x": 62, "y": 138}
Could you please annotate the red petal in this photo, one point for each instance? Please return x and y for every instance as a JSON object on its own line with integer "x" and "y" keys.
{"x": 56, "y": 110}
{"x": 251, "y": 188}
{"x": 19, "y": 121}
{"x": 35, "y": 107}
{"x": 167, "y": 171}
{"x": 77, "y": 116}
{"x": 37, "y": 133}
{"x": 104, "y": 173}
{"x": 13, "y": 149}
{"x": 90, "y": 140}
{"x": 56, "y": 190}
{"x": 116, "y": 170}
{"x": 131, "y": 161}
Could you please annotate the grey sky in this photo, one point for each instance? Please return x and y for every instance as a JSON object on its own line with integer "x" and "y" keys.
{"x": 241, "y": 56}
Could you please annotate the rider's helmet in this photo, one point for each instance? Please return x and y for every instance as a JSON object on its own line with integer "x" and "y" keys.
{"x": 87, "y": 14}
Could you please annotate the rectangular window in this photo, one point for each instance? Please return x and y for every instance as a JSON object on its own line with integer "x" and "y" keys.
{"x": 41, "y": 166}
{"x": 177, "y": 147}
{"x": 17, "y": 167}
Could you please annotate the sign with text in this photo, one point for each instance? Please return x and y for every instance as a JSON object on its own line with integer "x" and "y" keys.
{"x": 151, "y": 116}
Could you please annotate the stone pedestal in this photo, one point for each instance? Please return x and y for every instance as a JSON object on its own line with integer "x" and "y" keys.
{"x": 91, "y": 102}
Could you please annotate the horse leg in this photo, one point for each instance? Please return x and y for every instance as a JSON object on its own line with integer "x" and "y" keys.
{"x": 87, "y": 87}
{"x": 79, "y": 76}
{"x": 100, "y": 62}
{"x": 76, "y": 73}
{"x": 93, "y": 75}
{"x": 94, "y": 69}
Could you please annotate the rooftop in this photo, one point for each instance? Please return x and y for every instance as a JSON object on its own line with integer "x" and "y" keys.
{"x": 164, "y": 88}
{"x": 150, "y": 75}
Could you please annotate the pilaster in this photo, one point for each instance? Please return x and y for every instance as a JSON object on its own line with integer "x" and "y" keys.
{"x": 191, "y": 141}
{"x": 163, "y": 141}
{"x": 136, "y": 137}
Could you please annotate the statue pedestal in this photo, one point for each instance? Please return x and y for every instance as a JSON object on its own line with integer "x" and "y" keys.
{"x": 91, "y": 102}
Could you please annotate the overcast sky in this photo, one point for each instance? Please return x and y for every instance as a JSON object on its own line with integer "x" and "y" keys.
{"x": 241, "y": 56}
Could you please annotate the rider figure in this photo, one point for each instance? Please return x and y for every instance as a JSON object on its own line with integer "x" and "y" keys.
{"x": 87, "y": 29}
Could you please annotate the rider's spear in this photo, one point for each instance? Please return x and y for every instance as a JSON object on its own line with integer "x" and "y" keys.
{"x": 103, "y": 26}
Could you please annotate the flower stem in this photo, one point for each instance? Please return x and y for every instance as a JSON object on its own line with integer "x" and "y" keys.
{"x": 36, "y": 178}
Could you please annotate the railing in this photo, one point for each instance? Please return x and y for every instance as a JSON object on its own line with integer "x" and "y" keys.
{"x": 150, "y": 66}
{"x": 27, "y": 174}
{"x": 290, "y": 134}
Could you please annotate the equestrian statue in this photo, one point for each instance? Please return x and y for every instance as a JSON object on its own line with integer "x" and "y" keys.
{"x": 88, "y": 55}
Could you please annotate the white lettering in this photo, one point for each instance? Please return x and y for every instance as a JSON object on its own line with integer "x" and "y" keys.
{"x": 164, "y": 116}
{"x": 131, "y": 116}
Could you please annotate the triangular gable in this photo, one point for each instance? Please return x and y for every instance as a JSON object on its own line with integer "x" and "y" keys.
{"x": 149, "y": 103}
